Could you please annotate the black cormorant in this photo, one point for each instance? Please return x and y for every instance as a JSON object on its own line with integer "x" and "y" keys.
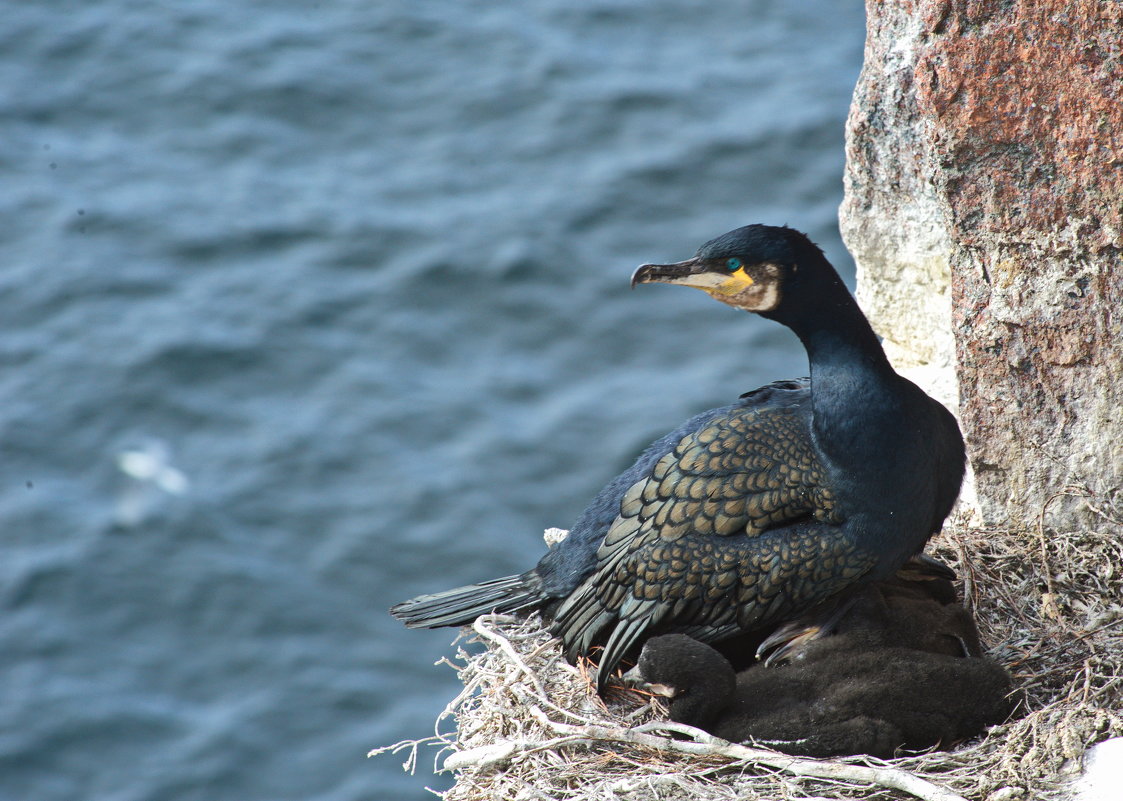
{"x": 749, "y": 514}
{"x": 901, "y": 669}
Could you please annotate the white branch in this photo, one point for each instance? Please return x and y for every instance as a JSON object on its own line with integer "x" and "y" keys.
{"x": 505, "y": 646}
{"x": 703, "y": 744}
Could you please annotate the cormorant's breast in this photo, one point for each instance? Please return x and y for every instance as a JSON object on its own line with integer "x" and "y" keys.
{"x": 894, "y": 458}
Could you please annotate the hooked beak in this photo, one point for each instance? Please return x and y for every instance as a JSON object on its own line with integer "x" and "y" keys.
{"x": 678, "y": 273}
{"x": 702, "y": 274}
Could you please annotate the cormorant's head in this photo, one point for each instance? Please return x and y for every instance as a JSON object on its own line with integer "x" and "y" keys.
{"x": 747, "y": 268}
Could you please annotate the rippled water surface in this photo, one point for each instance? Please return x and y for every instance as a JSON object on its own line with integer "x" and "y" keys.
{"x": 308, "y": 308}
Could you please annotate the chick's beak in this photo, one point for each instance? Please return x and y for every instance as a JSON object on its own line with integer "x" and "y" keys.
{"x": 633, "y": 678}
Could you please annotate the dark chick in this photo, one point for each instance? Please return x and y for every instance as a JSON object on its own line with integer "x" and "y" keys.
{"x": 916, "y": 608}
{"x": 749, "y": 514}
{"x": 898, "y": 671}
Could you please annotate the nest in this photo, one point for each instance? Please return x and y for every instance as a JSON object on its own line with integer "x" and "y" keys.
{"x": 1047, "y": 602}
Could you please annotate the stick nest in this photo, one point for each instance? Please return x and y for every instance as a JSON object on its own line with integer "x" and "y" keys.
{"x": 1047, "y": 602}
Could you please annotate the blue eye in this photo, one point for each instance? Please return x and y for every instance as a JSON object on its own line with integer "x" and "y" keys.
{"x": 733, "y": 265}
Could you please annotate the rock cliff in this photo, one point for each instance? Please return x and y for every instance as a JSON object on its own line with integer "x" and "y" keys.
{"x": 984, "y": 207}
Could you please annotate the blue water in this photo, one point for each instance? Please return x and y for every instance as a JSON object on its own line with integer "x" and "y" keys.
{"x": 350, "y": 279}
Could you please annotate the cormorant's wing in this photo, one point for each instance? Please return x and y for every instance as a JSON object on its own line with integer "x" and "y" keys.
{"x": 732, "y": 528}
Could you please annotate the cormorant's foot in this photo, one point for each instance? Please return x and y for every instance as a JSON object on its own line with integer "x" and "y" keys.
{"x": 779, "y": 646}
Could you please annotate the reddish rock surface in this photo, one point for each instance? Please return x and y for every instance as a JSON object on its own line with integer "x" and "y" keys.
{"x": 1026, "y": 101}
{"x": 987, "y": 137}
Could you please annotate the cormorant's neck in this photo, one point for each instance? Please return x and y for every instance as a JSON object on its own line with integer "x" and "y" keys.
{"x": 836, "y": 335}
{"x": 854, "y": 389}
{"x": 841, "y": 341}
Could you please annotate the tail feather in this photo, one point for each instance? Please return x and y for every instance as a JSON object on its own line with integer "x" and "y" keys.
{"x": 460, "y": 606}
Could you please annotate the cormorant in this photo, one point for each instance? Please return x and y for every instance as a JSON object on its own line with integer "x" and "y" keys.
{"x": 902, "y": 669}
{"x": 751, "y": 513}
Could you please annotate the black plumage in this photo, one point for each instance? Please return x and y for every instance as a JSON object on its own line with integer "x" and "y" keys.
{"x": 751, "y": 513}
{"x": 901, "y": 669}
{"x": 917, "y": 608}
